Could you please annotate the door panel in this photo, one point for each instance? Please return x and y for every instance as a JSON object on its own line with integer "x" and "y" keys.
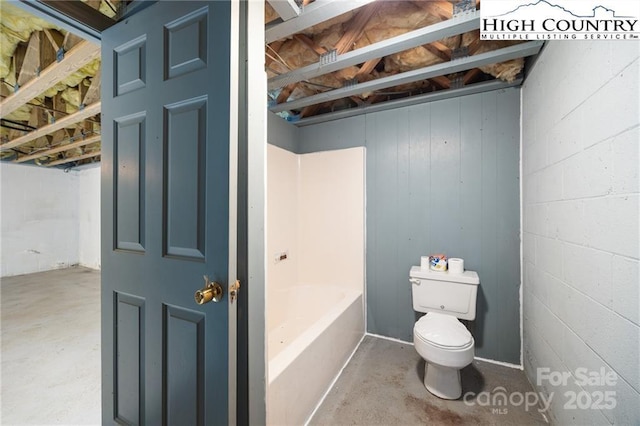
{"x": 128, "y": 188}
{"x": 129, "y": 347}
{"x": 185, "y": 187}
{"x": 183, "y": 385}
{"x": 165, "y": 207}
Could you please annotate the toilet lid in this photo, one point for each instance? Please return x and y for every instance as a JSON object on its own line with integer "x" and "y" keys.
{"x": 443, "y": 330}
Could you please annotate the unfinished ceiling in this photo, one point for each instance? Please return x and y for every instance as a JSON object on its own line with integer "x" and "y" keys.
{"x": 329, "y": 59}
{"x": 50, "y": 88}
{"x": 325, "y": 59}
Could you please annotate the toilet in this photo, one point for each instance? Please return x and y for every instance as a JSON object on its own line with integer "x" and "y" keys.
{"x": 439, "y": 337}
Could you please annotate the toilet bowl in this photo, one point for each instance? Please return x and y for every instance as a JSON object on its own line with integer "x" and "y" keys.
{"x": 441, "y": 340}
{"x": 447, "y": 347}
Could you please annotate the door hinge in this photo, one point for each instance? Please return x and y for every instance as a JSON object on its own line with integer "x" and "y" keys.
{"x": 233, "y": 291}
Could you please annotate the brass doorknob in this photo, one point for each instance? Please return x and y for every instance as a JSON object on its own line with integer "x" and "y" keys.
{"x": 212, "y": 291}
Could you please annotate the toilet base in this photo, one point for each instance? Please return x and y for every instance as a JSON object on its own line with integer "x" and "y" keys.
{"x": 443, "y": 382}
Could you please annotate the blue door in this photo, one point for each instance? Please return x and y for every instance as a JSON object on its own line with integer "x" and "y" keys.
{"x": 165, "y": 207}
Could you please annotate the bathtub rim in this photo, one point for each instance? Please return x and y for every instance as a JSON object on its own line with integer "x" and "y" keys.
{"x": 285, "y": 357}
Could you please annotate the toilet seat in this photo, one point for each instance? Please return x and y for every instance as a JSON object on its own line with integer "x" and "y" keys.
{"x": 442, "y": 331}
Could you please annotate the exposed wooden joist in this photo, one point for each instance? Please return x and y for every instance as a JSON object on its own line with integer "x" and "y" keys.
{"x": 93, "y": 92}
{"x": 70, "y": 40}
{"x": 462, "y": 64}
{"x": 31, "y": 63}
{"x": 69, "y": 120}
{"x": 80, "y": 55}
{"x": 55, "y": 44}
{"x": 473, "y": 47}
{"x": 316, "y": 12}
{"x": 356, "y": 27}
{"x": 285, "y": 93}
{"x": 287, "y": 9}
{"x": 428, "y": 34}
{"x": 272, "y": 49}
{"x": 306, "y": 41}
{"x": 310, "y": 110}
{"x": 441, "y": 81}
{"x": 59, "y": 148}
{"x": 438, "y": 50}
{"x": 441, "y": 9}
{"x": 351, "y": 35}
{"x": 70, "y": 159}
{"x": 368, "y": 66}
{"x": 471, "y": 76}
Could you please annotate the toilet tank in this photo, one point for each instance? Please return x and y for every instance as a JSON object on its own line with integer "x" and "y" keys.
{"x": 443, "y": 292}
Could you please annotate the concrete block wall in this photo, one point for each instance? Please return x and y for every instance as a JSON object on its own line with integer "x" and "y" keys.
{"x": 580, "y": 160}
{"x": 89, "y": 216}
{"x": 39, "y": 219}
{"x": 49, "y": 218}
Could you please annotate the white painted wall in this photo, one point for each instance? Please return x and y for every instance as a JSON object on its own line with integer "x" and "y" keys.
{"x": 580, "y": 144}
{"x": 50, "y": 219}
{"x": 89, "y": 216}
{"x": 39, "y": 219}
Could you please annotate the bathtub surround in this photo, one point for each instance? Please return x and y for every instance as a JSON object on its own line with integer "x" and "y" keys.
{"x": 580, "y": 134}
{"x": 315, "y": 213}
{"x": 310, "y": 350}
{"x": 315, "y": 273}
{"x": 441, "y": 177}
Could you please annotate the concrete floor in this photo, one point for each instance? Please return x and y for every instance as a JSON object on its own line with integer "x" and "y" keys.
{"x": 50, "y": 365}
{"x": 382, "y": 385}
{"x": 51, "y": 348}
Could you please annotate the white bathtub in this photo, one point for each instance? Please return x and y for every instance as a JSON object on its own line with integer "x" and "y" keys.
{"x": 313, "y": 331}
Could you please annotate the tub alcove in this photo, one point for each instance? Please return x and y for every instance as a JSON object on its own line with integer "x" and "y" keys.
{"x": 315, "y": 275}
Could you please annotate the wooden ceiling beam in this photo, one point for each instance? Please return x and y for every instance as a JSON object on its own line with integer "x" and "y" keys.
{"x": 356, "y": 28}
{"x": 473, "y": 47}
{"x": 59, "y": 148}
{"x": 368, "y": 66}
{"x": 310, "y": 110}
{"x": 76, "y": 158}
{"x": 445, "y": 55}
{"x": 441, "y": 81}
{"x": 445, "y": 51}
{"x": 80, "y": 55}
{"x": 471, "y": 76}
{"x": 93, "y": 92}
{"x": 56, "y": 44}
{"x": 286, "y": 92}
{"x": 306, "y": 41}
{"x": 31, "y": 63}
{"x": 441, "y": 9}
{"x": 463, "y": 64}
{"x": 402, "y": 42}
{"x": 69, "y": 120}
{"x": 357, "y": 100}
{"x": 273, "y": 47}
{"x": 70, "y": 40}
